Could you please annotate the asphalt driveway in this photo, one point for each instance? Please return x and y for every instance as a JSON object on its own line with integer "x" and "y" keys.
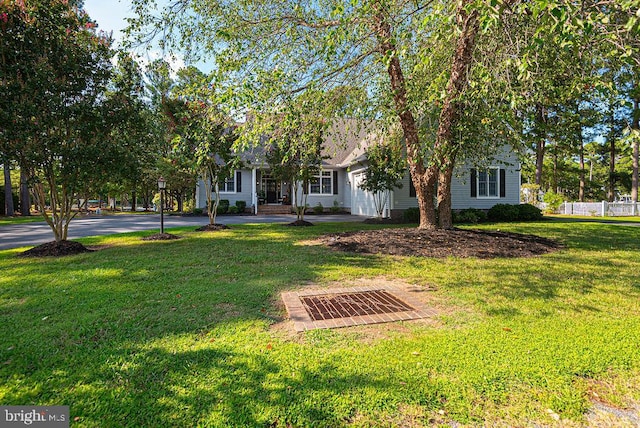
{"x": 32, "y": 234}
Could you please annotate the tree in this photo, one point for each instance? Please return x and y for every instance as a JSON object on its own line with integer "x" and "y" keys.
{"x": 204, "y": 136}
{"x": 294, "y": 137}
{"x": 385, "y": 170}
{"x": 8, "y": 208}
{"x": 131, "y": 126}
{"x": 55, "y": 68}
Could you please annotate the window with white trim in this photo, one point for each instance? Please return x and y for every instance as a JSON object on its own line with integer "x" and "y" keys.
{"x": 488, "y": 183}
{"x": 321, "y": 183}
{"x": 229, "y": 184}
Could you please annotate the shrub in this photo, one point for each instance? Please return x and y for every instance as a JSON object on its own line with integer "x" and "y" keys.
{"x": 528, "y": 212}
{"x": 553, "y": 201}
{"x": 469, "y": 215}
{"x": 411, "y": 215}
{"x": 224, "y": 203}
{"x": 233, "y": 209}
{"x": 503, "y": 212}
{"x": 198, "y": 211}
{"x": 335, "y": 209}
{"x": 188, "y": 206}
{"x": 318, "y": 209}
{"x": 222, "y": 209}
{"x": 242, "y": 205}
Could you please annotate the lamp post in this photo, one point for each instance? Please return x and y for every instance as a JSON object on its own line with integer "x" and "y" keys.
{"x": 162, "y": 184}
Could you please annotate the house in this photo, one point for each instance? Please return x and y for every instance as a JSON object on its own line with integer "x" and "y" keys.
{"x": 337, "y": 182}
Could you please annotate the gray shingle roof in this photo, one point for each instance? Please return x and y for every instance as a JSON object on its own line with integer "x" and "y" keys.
{"x": 345, "y": 141}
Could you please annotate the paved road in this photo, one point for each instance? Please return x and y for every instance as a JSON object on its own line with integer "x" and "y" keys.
{"x": 31, "y": 234}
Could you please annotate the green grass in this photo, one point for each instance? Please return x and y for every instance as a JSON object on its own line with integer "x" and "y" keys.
{"x": 4, "y": 221}
{"x": 185, "y": 333}
{"x": 608, "y": 219}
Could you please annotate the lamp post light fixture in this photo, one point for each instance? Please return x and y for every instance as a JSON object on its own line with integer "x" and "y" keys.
{"x": 162, "y": 184}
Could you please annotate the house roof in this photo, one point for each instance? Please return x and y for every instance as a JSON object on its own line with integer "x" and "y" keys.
{"x": 344, "y": 143}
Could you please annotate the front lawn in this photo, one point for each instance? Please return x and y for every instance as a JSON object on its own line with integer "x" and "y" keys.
{"x": 189, "y": 332}
{"x": 4, "y": 221}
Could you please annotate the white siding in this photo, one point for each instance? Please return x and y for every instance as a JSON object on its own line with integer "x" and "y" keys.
{"x": 327, "y": 200}
{"x": 232, "y": 197}
{"x": 461, "y": 187}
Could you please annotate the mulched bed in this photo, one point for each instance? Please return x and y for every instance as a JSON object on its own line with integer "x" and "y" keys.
{"x": 386, "y": 220}
{"x": 56, "y": 249}
{"x": 302, "y": 223}
{"x": 441, "y": 243}
{"x": 160, "y": 237}
{"x": 212, "y": 228}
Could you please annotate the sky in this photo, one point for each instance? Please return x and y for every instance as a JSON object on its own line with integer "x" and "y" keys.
{"x": 110, "y": 16}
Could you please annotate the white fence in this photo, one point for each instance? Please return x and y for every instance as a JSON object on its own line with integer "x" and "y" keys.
{"x": 600, "y": 209}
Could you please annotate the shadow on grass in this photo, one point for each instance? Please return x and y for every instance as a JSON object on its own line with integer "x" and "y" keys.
{"x": 233, "y": 389}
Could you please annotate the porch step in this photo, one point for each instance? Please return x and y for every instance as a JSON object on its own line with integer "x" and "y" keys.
{"x": 274, "y": 209}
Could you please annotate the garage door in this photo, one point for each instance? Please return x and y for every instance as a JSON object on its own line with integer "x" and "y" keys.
{"x": 361, "y": 201}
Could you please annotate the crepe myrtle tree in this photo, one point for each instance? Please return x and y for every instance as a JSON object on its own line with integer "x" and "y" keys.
{"x": 204, "y": 134}
{"x": 386, "y": 167}
{"x": 55, "y": 70}
{"x": 294, "y": 133}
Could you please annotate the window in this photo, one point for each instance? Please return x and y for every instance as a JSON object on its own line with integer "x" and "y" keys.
{"x": 488, "y": 183}
{"x": 231, "y": 184}
{"x": 228, "y": 185}
{"x": 321, "y": 184}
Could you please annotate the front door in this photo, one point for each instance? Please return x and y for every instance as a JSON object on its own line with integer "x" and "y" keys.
{"x": 272, "y": 189}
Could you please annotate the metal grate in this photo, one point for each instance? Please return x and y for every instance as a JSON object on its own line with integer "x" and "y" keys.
{"x": 343, "y": 305}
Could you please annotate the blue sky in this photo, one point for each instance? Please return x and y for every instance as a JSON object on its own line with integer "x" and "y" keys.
{"x": 109, "y": 15}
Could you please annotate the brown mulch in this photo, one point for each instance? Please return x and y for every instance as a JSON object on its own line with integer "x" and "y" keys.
{"x": 385, "y": 220}
{"x": 441, "y": 243}
{"x": 299, "y": 223}
{"x": 160, "y": 237}
{"x": 212, "y": 228}
{"x": 56, "y": 249}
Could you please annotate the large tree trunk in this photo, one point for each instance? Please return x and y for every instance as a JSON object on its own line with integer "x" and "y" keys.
{"x": 180, "y": 199}
{"x": 635, "y": 127}
{"x": 554, "y": 177}
{"x": 423, "y": 180}
{"x": 612, "y": 161}
{"x": 581, "y": 167}
{"x": 8, "y": 191}
{"x": 25, "y": 194}
{"x": 541, "y": 140}
{"x": 582, "y": 171}
{"x": 446, "y": 148}
{"x": 134, "y": 199}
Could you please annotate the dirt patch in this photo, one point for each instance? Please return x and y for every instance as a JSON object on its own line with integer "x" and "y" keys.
{"x": 212, "y": 228}
{"x": 299, "y": 223}
{"x": 440, "y": 243}
{"x": 160, "y": 237}
{"x": 56, "y": 249}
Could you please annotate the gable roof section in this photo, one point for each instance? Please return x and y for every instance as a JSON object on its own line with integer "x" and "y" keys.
{"x": 344, "y": 143}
